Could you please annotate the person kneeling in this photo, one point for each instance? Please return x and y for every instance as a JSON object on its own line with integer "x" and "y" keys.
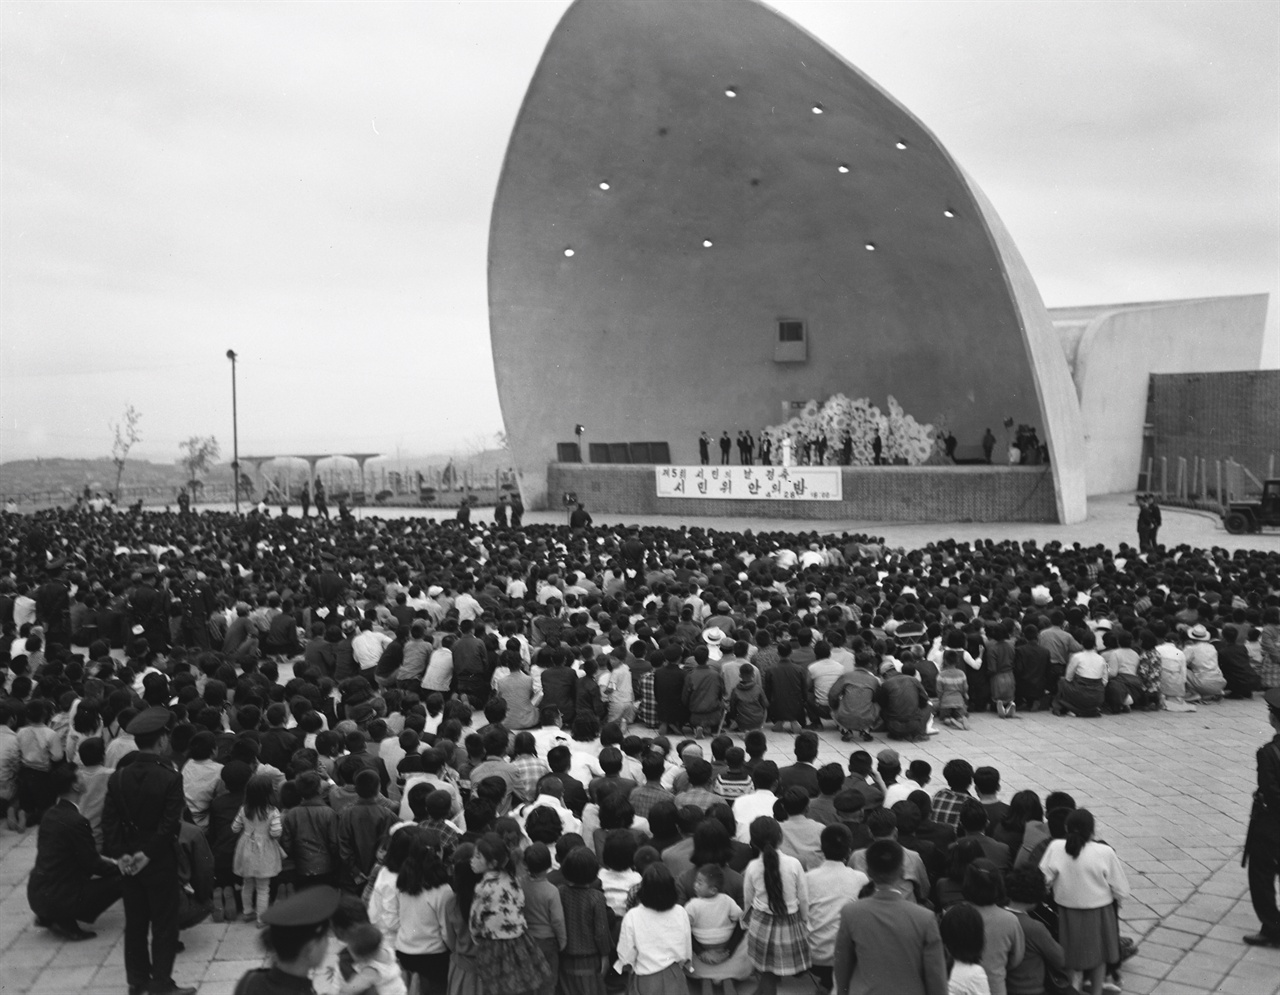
{"x": 71, "y": 882}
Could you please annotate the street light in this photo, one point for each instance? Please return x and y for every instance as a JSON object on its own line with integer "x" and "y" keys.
{"x": 235, "y": 434}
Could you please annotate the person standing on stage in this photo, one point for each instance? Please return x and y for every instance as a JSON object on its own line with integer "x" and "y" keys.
{"x": 1262, "y": 844}
{"x": 704, "y": 448}
{"x": 725, "y": 444}
{"x": 140, "y": 826}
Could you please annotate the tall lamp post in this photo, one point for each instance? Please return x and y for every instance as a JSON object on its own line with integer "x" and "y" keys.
{"x": 235, "y": 434}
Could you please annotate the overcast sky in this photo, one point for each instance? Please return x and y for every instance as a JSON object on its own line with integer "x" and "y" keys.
{"x": 310, "y": 184}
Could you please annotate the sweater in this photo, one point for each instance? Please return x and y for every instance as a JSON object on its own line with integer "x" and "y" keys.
{"x": 1092, "y": 880}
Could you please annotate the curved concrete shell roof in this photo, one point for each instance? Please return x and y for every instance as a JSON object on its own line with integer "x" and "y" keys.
{"x": 684, "y": 176}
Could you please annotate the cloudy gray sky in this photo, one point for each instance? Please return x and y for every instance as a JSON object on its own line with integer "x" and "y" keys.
{"x": 310, "y": 184}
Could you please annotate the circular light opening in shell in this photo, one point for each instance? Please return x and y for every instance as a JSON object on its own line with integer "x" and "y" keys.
{"x": 731, "y": 91}
{"x": 568, "y": 253}
{"x": 604, "y": 186}
{"x": 818, "y": 108}
{"x": 948, "y": 214}
{"x": 901, "y": 145}
{"x": 707, "y": 243}
{"x": 870, "y": 246}
{"x": 842, "y": 168}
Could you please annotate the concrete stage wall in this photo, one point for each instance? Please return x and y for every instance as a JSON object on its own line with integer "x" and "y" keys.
{"x": 871, "y": 493}
{"x": 683, "y": 180}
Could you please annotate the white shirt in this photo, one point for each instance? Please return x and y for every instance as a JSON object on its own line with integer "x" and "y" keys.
{"x": 468, "y": 607}
{"x": 368, "y": 646}
{"x": 24, "y": 610}
{"x": 832, "y": 885}
{"x": 420, "y": 921}
{"x": 751, "y": 806}
{"x": 667, "y": 939}
{"x": 1092, "y": 880}
{"x": 899, "y": 791}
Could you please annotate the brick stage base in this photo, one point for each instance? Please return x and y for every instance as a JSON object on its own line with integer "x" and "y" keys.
{"x": 871, "y": 493}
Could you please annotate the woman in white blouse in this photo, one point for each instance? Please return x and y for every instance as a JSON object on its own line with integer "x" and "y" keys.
{"x": 1088, "y": 883}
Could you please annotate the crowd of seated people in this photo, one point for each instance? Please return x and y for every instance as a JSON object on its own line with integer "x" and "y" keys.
{"x": 521, "y": 749}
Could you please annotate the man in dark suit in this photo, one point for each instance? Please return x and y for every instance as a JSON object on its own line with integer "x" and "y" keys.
{"x": 140, "y": 826}
{"x": 71, "y": 882}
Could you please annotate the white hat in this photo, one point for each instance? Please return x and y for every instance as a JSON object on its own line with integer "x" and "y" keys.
{"x": 713, "y": 635}
{"x": 1199, "y": 633}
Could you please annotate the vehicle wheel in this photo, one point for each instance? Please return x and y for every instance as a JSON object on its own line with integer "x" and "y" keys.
{"x": 1236, "y": 523}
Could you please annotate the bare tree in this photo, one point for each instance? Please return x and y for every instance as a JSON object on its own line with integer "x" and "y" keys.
{"x": 126, "y": 436}
{"x": 200, "y": 452}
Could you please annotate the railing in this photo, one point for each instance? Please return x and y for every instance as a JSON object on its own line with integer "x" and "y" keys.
{"x": 1199, "y": 483}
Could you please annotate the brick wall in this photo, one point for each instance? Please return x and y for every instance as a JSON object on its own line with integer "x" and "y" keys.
{"x": 884, "y": 494}
{"x": 1217, "y": 416}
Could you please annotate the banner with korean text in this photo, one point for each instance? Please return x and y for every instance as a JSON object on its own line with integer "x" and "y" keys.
{"x": 774, "y": 483}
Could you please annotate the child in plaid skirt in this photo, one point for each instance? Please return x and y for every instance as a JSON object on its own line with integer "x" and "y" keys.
{"x": 776, "y": 898}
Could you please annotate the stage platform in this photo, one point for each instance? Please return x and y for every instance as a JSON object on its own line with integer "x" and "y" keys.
{"x": 875, "y": 493}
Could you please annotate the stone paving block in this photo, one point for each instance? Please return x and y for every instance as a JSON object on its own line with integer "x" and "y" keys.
{"x": 110, "y": 977}
{"x": 1146, "y": 966}
{"x": 1263, "y": 955}
{"x": 1136, "y": 984}
{"x": 1208, "y": 908}
{"x": 240, "y": 944}
{"x": 1200, "y": 969}
{"x": 37, "y": 953}
{"x": 229, "y": 970}
{"x": 56, "y": 980}
{"x": 1220, "y": 948}
{"x": 1172, "y": 939}
{"x": 95, "y": 952}
{"x": 1177, "y": 988}
{"x": 1181, "y": 924}
{"x": 18, "y": 979}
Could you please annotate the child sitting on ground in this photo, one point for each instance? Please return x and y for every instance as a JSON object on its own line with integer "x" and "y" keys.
{"x": 713, "y": 917}
{"x": 953, "y": 691}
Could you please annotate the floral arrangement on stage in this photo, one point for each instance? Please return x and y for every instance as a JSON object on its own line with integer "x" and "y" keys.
{"x": 819, "y": 432}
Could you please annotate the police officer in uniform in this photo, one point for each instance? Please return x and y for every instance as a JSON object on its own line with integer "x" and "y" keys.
{"x": 141, "y": 818}
{"x": 297, "y": 934}
{"x": 1262, "y": 845}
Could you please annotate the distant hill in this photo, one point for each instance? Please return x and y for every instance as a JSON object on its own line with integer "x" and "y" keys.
{"x": 48, "y": 478}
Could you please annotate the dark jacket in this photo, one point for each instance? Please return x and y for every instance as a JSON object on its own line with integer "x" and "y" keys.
{"x": 787, "y": 684}
{"x": 361, "y": 828}
{"x": 470, "y": 666}
{"x": 222, "y": 841}
{"x": 703, "y": 691}
{"x": 65, "y": 860}
{"x": 143, "y": 809}
{"x": 668, "y": 695}
{"x": 310, "y": 837}
{"x": 560, "y": 690}
{"x": 588, "y": 700}
{"x": 322, "y": 655}
{"x": 277, "y": 748}
{"x": 748, "y": 705}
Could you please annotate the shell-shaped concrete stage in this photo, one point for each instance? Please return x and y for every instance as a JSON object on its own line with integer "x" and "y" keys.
{"x": 706, "y": 215}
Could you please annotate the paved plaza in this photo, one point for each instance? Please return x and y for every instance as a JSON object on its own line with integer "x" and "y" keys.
{"x": 1170, "y": 793}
